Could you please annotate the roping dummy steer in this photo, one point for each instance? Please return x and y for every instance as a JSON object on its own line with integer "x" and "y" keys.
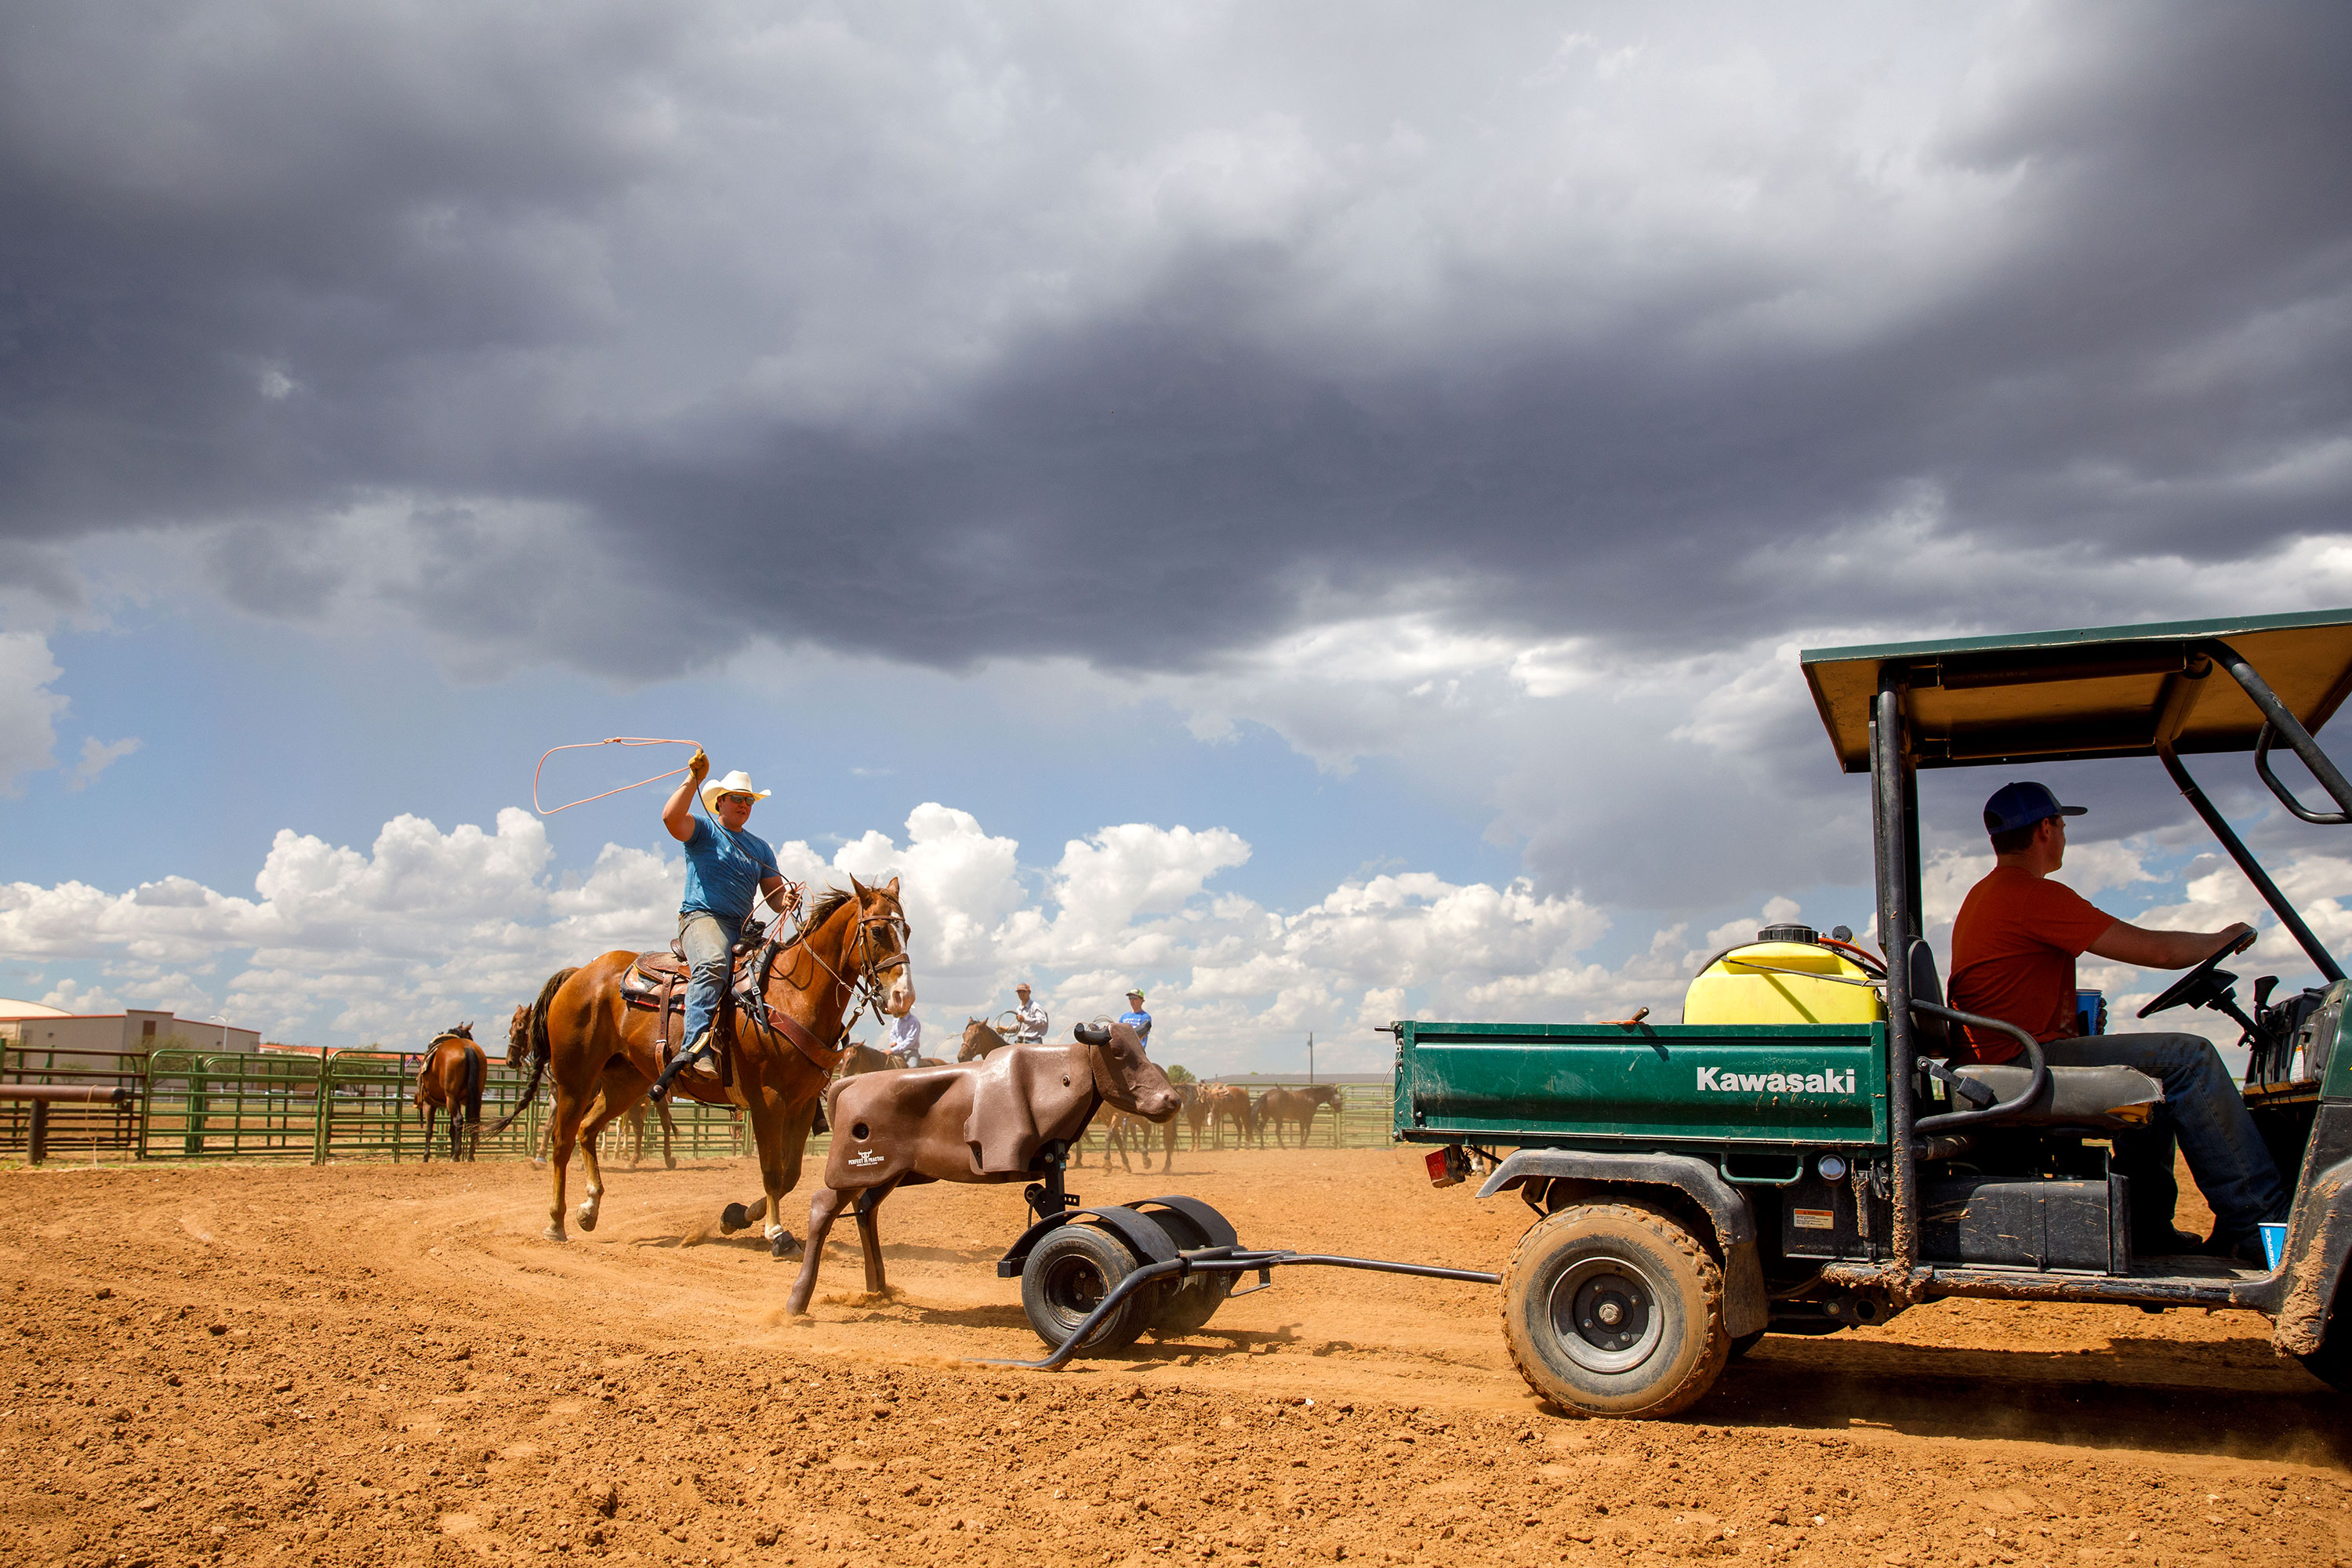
{"x": 1001, "y": 1120}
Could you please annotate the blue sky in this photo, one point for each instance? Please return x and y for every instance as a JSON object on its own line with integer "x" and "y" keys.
{"x": 1325, "y": 531}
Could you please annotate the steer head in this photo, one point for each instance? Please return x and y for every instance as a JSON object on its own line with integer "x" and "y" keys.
{"x": 1127, "y": 1080}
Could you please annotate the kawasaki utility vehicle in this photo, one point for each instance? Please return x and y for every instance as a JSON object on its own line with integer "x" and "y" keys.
{"x": 1797, "y": 1155}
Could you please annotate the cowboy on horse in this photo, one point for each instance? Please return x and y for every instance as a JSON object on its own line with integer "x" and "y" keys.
{"x": 728, "y": 871}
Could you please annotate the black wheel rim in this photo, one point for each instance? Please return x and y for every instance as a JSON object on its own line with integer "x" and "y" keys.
{"x": 1605, "y": 1314}
{"x": 1074, "y": 1287}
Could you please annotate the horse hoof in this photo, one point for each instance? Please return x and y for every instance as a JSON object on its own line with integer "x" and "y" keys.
{"x": 587, "y": 1219}
{"x": 732, "y": 1218}
{"x": 670, "y": 1161}
{"x": 553, "y": 1233}
{"x": 783, "y": 1244}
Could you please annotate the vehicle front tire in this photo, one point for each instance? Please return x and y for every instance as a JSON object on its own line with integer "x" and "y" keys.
{"x": 1613, "y": 1309}
{"x": 1067, "y": 1277}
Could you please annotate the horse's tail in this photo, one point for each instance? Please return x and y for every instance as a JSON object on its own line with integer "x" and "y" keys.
{"x": 477, "y": 1074}
{"x": 540, "y": 1047}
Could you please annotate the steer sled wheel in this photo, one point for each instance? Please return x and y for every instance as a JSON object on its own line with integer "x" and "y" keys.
{"x": 1611, "y": 1310}
{"x": 1067, "y": 1277}
{"x": 1187, "y": 1308}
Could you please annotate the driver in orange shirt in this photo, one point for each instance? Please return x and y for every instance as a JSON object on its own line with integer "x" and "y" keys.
{"x": 2013, "y": 949}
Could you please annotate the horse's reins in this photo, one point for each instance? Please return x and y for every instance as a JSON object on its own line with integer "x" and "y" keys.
{"x": 865, "y": 992}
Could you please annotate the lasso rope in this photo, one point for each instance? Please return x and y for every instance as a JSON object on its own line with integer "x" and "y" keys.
{"x": 590, "y": 745}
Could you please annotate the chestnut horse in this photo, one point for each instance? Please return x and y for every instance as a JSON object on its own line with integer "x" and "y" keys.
{"x": 861, "y": 1058}
{"x": 1223, "y": 1101}
{"x": 602, "y": 1055}
{"x": 522, "y": 1050}
{"x": 1281, "y": 1107}
{"x": 451, "y": 1080}
{"x": 980, "y": 1038}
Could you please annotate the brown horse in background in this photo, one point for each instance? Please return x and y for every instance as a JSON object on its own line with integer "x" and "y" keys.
{"x": 980, "y": 1037}
{"x": 1225, "y": 1101}
{"x": 1281, "y": 1107}
{"x": 602, "y": 1055}
{"x": 1116, "y": 1126}
{"x": 1195, "y": 1115}
{"x": 861, "y": 1058}
{"x": 451, "y": 1080}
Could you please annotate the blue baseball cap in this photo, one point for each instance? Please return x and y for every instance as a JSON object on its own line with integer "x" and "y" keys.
{"x": 2016, "y": 806}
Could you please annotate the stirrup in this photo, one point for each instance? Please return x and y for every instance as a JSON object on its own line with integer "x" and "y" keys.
{"x": 679, "y": 1064}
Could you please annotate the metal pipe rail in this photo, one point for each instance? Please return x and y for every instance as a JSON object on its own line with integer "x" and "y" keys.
{"x": 71, "y": 1093}
{"x": 1227, "y": 1260}
{"x": 44, "y": 1095}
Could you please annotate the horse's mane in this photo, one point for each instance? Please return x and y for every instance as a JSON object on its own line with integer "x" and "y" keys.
{"x": 827, "y": 905}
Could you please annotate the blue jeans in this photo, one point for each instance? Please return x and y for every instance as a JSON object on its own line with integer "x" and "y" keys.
{"x": 710, "y": 944}
{"x": 2205, "y": 1111}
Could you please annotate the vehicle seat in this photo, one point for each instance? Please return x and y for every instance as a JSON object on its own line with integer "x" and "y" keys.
{"x": 2110, "y": 1099}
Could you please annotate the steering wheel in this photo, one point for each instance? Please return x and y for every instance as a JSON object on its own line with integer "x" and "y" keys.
{"x": 2202, "y": 984}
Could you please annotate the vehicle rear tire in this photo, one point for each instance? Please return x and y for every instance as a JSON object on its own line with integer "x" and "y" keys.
{"x": 1067, "y": 1277}
{"x": 1187, "y": 1308}
{"x": 1611, "y": 1310}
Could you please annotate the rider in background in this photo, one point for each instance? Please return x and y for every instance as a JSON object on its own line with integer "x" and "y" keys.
{"x": 1136, "y": 1018}
{"x": 728, "y": 871}
{"x": 1032, "y": 1020}
{"x": 2013, "y": 949}
{"x": 905, "y": 1042}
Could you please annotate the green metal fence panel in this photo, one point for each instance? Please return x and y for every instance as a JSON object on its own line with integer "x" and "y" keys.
{"x": 228, "y": 1105}
{"x": 85, "y": 1130}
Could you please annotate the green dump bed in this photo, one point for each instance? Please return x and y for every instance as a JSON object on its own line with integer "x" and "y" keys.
{"x": 1537, "y": 1084}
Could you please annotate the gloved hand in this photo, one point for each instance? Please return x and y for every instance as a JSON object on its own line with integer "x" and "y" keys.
{"x": 699, "y": 768}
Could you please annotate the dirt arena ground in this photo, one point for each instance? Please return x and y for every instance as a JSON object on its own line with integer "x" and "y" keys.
{"x": 378, "y": 1365}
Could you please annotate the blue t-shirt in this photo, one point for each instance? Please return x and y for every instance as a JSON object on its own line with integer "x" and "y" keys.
{"x": 723, "y": 871}
{"x": 1140, "y": 1022}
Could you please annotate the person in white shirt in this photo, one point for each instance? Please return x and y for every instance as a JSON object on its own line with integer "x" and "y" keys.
{"x": 1033, "y": 1022}
{"x": 905, "y": 1045}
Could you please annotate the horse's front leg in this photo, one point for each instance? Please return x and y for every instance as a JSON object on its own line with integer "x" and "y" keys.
{"x": 563, "y": 1134}
{"x": 781, "y": 1139}
{"x": 824, "y": 1206}
{"x": 609, "y": 1095}
{"x": 669, "y": 1131}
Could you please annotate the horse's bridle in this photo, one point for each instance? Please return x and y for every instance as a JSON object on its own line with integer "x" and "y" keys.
{"x": 867, "y": 989}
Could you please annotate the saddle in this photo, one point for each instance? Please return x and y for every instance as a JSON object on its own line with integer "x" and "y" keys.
{"x": 656, "y": 981}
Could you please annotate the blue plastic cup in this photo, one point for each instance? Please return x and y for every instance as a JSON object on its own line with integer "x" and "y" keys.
{"x": 2273, "y": 1244}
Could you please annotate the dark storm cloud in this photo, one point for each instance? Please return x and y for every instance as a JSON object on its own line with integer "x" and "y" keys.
{"x": 733, "y": 329}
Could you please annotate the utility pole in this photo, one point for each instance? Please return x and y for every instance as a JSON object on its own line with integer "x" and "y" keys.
{"x": 1310, "y": 1055}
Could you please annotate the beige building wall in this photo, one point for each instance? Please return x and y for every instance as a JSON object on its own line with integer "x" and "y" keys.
{"x": 96, "y": 1040}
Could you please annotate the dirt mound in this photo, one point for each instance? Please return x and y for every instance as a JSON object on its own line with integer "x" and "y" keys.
{"x": 364, "y": 1364}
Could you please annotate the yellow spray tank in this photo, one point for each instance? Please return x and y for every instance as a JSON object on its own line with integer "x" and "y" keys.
{"x": 1786, "y": 975}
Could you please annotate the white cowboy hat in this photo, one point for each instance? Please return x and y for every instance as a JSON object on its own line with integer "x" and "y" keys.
{"x": 736, "y": 782}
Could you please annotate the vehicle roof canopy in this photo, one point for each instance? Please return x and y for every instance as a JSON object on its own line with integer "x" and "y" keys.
{"x": 2101, "y": 691}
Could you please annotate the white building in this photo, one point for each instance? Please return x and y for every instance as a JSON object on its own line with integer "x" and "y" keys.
{"x": 38, "y": 1031}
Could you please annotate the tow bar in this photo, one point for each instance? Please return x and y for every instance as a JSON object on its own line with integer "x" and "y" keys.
{"x": 1228, "y": 1260}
